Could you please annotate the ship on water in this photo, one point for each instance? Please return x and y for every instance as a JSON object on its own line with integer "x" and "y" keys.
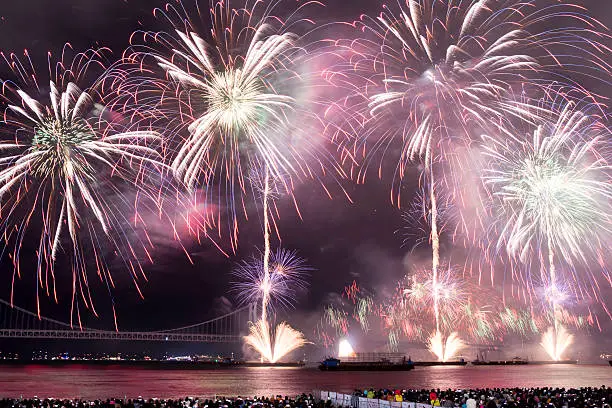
{"x": 460, "y": 362}
{"x": 481, "y": 360}
{"x": 514, "y": 361}
{"x": 368, "y": 362}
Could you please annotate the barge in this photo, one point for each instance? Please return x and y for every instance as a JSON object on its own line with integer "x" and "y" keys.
{"x": 368, "y": 362}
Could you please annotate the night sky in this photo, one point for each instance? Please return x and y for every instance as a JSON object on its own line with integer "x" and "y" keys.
{"x": 343, "y": 241}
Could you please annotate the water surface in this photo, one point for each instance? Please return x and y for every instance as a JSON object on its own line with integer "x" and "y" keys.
{"x": 118, "y": 381}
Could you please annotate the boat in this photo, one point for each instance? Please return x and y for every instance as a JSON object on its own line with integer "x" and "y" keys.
{"x": 542, "y": 362}
{"x": 350, "y": 364}
{"x": 514, "y": 361}
{"x": 334, "y": 364}
{"x": 440, "y": 363}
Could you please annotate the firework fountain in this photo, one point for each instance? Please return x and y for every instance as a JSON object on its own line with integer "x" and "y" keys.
{"x": 345, "y": 349}
{"x": 272, "y": 276}
{"x": 445, "y": 295}
{"x": 555, "y": 341}
{"x": 274, "y": 343}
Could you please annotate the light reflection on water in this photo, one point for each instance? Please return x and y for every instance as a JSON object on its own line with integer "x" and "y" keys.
{"x": 103, "y": 382}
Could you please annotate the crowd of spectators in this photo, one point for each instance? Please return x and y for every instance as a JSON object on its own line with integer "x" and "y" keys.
{"x": 301, "y": 401}
{"x": 586, "y": 397}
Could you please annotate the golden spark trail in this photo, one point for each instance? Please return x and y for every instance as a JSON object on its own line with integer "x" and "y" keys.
{"x": 556, "y": 340}
{"x": 553, "y": 283}
{"x": 443, "y": 350}
{"x": 272, "y": 343}
{"x": 435, "y": 248}
{"x": 266, "y": 255}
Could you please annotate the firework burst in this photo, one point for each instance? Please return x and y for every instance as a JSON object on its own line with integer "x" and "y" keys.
{"x": 237, "y": 94}
{"x": 553, "y": 189}
{"x": 449, "y": 289}
{"x": 287, "y": 277}
{"x": 64, "y": 168}
{"x": 240, "y": 92}
{"x": 551, "y": 196}
{"x": 428, "y": 73}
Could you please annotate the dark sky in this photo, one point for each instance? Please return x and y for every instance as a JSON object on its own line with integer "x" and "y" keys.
{"x": 343, "y": 241}
{"x": 329, "y": 236}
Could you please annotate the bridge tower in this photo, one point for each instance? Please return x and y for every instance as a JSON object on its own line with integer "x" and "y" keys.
{"x": 253, "y": 314}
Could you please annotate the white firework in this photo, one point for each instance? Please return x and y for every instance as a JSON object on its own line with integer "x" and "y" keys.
{"x": 240, "y": 106}
{"x": 235, "y": 98}
{"x": 62, "y": 165}
{"x": 552, "y": 191}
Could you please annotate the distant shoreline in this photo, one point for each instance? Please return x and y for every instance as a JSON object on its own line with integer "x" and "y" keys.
{"x": 157, "y": 365}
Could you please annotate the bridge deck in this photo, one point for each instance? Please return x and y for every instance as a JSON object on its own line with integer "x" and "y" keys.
{"x": 16, "y": 322}
{"x": 112, "y": 335}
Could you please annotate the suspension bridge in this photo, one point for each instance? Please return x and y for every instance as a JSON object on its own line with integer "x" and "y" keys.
{"x": 16, "y": 322}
